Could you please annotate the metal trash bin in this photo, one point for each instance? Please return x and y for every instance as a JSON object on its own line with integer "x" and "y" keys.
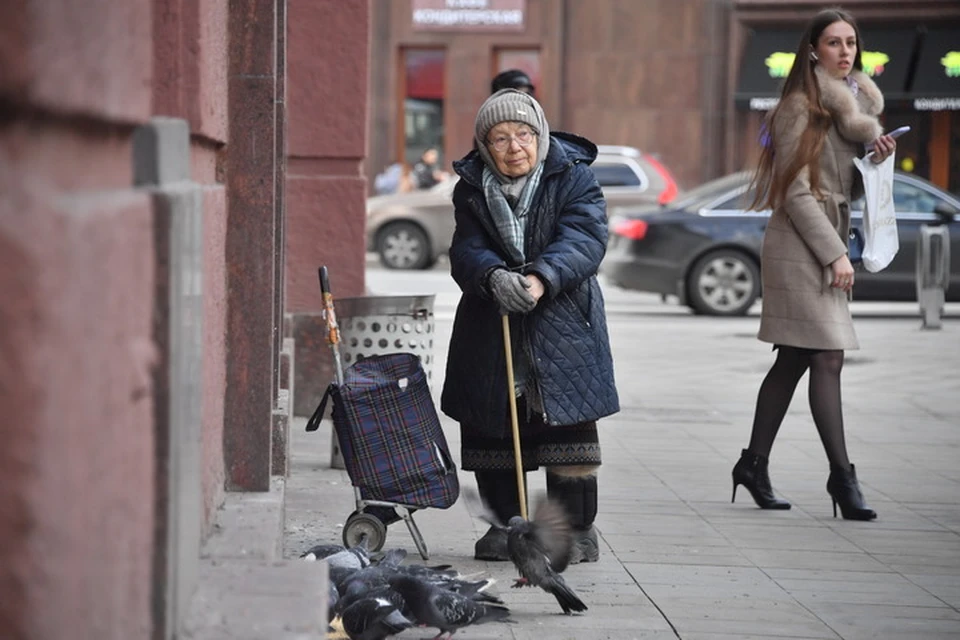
{"x": 379, "y": 325}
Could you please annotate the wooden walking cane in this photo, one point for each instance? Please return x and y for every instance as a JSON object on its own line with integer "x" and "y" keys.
{"x": 514, "y": 420}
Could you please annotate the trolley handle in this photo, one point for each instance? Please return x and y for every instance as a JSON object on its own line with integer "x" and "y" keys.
{"x": 330, "y": 317}
{"x": 329, "y": 314}
{"x": 324, "y": 281}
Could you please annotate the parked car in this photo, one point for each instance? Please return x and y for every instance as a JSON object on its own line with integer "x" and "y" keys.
{"x": 412, "y": 230}
{"x": 705, "y": 247}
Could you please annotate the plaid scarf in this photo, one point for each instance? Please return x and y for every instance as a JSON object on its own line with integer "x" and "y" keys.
{"x": 511, "y": 221}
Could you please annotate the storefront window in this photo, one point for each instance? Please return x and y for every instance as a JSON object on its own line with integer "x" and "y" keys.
{"x": 527, "y": 60}
{"x": 423, "y": 90}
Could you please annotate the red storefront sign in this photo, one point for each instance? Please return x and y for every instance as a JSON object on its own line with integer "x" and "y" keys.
{"x": 469, "y": 15}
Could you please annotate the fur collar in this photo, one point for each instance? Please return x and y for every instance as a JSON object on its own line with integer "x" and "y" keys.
{"x": 854, "y": 116}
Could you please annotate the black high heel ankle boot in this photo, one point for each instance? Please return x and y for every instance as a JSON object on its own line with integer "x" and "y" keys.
{"x": 844, "y": 490}
{"x": 751, "y": 472}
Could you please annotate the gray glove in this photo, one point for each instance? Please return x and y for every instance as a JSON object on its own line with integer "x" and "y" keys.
{"x": 509, "y": 289}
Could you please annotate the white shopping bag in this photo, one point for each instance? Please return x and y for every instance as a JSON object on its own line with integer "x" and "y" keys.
{"x": 880, "y": 237}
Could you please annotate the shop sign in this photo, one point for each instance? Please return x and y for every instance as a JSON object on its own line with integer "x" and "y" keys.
{"x": 469, "y": 15}
{"x": 936, "y": 104}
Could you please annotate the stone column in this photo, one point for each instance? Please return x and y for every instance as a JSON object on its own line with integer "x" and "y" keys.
{"x": 161, "y": 155}
{"x": 251, "y": 176}
{"x": 327, "y": 71}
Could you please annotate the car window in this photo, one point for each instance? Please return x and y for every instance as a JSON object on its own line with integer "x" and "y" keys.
{"x": 737, "y": 202}
{"x": 615, "y": 175}
{"x": 908, "y": 198}
{"x": 710, "y": 191}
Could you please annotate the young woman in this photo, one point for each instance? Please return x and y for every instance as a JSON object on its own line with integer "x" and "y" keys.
{"x": 827, "y": 114}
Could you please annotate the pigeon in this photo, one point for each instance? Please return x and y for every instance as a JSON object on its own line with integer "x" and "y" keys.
{"x": 392, "y": 558}
{"x": 321, "y": 551}
{"x": 355, "y": 558}
{"x": 357, "y": 583}
{"x": 433, "y": 606}
{"x": 333, "y": 600}
{"x": 361, "y": 584}
{"x": 540, "y": 549}
{"x": 356, "y": 592}
{"x": 373, "y": 619}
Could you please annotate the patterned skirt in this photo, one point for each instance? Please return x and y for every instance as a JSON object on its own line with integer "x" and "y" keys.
{"x": 540, "y": 445}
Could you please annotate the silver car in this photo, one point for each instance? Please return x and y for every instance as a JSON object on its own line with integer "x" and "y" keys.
{"x": 412, "y": 230}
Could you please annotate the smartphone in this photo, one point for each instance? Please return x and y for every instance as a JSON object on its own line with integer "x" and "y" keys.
{"x": 899, "y": 131}
{"x": 896, "y": 133}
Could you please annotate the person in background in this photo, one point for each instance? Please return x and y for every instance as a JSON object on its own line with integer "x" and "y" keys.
{"x": 512, "y": 79}
{"x": 427, "y": 172}
{"x": 826, "y": 115}
{"x": 393, "y": 179}
{"x": 530, "y": 233}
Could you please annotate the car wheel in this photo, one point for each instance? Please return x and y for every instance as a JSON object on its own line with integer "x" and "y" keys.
{"x": 403, "y": 245}
{"x": 725, "y": 282}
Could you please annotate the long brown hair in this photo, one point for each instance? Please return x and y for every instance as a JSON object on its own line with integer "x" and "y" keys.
{"x": 770, "y": 186}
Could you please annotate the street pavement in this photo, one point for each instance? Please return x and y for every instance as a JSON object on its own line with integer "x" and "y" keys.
{"x": 678, "y": 560}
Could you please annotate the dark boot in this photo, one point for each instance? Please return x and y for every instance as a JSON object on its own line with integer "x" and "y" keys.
{"x": 751, "y": 472}
{"x": 498, "y": 490}
{"x": 844, "y": 490}
{"x": 579, "y": 498}
{"x": 492, "y": 546}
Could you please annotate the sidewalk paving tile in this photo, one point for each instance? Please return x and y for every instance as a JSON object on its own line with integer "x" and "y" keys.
{"x": 677, "y": 559}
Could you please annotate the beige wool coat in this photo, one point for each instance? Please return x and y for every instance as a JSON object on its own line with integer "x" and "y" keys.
{"x": 808, "y": 231}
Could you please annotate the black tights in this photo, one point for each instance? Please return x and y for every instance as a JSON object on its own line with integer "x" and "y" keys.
{"x": 777, "y": 391}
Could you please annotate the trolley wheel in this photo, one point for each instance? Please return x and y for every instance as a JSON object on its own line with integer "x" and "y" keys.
{"x": 360, "y": 525}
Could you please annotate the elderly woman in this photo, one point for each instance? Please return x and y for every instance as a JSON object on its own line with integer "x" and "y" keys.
{"x": 531, "y": 230}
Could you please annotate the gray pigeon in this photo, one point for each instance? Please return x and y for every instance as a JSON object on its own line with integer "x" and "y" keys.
{"x": 321, "y": 551}
{"x": 333, "y": 600}
{"x": 361, "y": 584}
{"x": 373, "y": 619}
{"x": 540, "y": 549}
{"x": 357, "y": 591}
{"x": 354, "y": 559}
{"x": 433, "y": 606}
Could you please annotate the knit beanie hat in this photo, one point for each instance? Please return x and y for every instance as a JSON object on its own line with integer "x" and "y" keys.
{"x": 510, "y": 105}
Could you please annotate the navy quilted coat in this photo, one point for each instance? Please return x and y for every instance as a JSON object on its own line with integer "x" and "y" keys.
{"x": 565, "y": 336}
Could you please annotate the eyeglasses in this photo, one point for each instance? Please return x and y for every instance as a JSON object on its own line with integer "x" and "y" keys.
{"x": 523, "y": 138}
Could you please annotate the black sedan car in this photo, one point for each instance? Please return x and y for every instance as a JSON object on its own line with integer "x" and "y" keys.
{"x": 705, "y": 247}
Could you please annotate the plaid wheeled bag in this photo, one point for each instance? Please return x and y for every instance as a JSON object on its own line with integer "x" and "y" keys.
{"x": 389, "y": 433}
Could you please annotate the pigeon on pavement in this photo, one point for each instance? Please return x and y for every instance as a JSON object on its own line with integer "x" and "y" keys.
{"x": 373, "y": 619}
{"x": 448, "y": 611}
{"x": 361, "y": 584}
{"x": 321, "y": 551}
{"x": 540, "y": 549}
{"x": 333, "y": 600}
{"x": 355, "y": 559}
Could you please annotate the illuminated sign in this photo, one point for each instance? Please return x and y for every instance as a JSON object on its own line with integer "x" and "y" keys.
{"x": 779, "y": 63}
{"x": 873, "y": 62}
{"x": 951, "y": 63}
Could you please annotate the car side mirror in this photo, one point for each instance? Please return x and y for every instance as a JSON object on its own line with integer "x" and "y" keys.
{"x": 946, "y": 212}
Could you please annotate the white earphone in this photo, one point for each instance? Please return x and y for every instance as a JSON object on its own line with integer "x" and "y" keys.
{"x": 813, "y": 56}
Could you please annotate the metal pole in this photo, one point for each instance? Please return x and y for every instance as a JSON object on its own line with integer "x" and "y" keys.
{"x": 933, "y": 273}
{"x": 333, "y": 339}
